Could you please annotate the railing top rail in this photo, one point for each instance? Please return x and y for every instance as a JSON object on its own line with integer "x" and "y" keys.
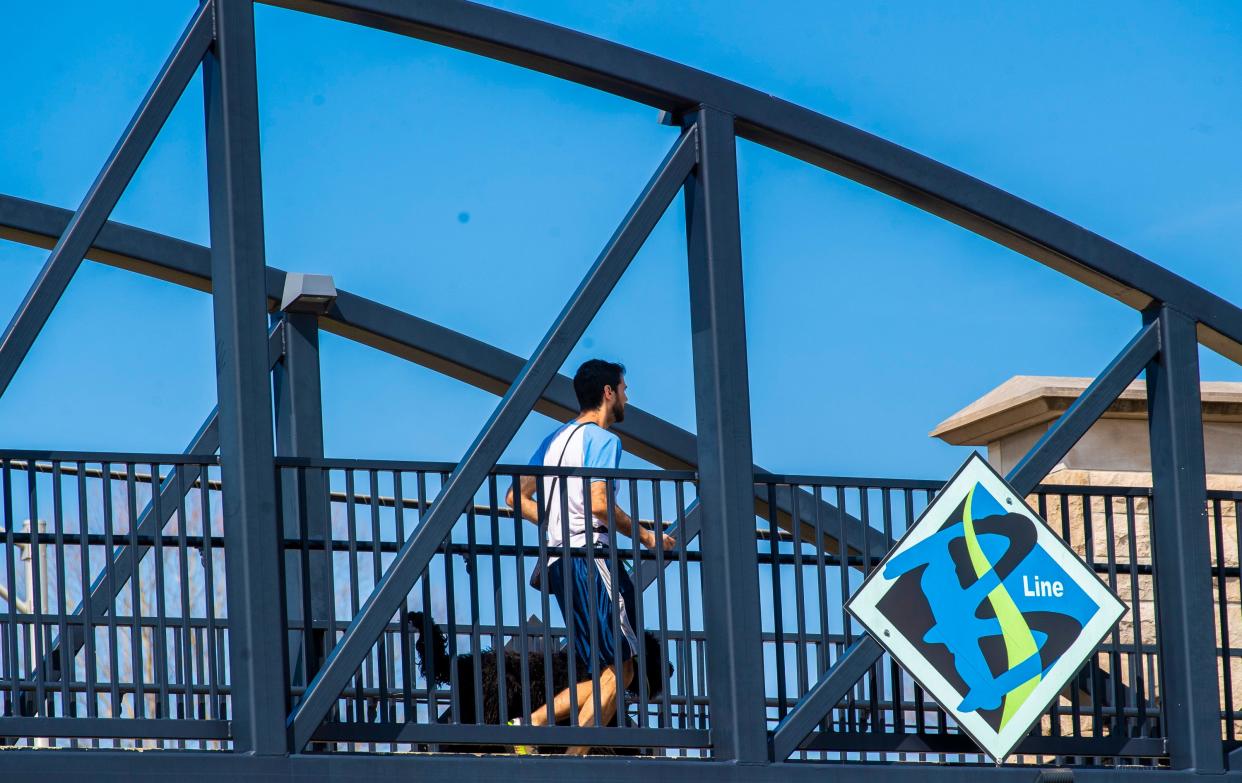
{"x": 413, "y": 466}
{"x": 851, "y": 482}
{"x": 1079, "y": 490}
{"x": 97, "y": 457}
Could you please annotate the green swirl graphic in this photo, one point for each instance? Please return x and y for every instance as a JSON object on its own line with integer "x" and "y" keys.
{"x": 1019, "y": 642}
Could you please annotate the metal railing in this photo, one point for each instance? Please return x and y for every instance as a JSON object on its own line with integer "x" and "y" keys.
{"x": 116, "y": 630}
{"x": 114, "y": 621}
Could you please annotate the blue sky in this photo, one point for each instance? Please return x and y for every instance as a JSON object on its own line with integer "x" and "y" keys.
{"x": 475, "y": 194}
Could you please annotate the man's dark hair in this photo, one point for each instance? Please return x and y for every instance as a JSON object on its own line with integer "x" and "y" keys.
{"x": 590, "y": 380}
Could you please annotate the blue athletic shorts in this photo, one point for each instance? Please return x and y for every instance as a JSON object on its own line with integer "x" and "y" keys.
{"x": 607, "y": 612}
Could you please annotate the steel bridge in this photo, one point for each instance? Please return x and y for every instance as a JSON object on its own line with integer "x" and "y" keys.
{"x": 246, "y": 609}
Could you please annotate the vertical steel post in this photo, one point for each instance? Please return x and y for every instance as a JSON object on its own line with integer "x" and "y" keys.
{"x": 1180, "y": 547}
{"x": 257, "y": 663}
{"x": 726, "y": 475}
{"x": 299, "y": 433}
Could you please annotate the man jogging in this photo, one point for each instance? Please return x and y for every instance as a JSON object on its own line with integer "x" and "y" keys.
{"x": 586, "y": 442}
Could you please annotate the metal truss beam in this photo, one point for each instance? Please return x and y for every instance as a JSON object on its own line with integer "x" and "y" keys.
{"x": 804, "y": 134}
{"x": 491, "y": 441}
{"x": 299, "y": 433}
{"x": 735, "y": 679}
{"x": 258, "y": 668}
{"x": 1068, "y": 429}
{"x": 1071, "y": 425}
{"x": 1181, "y": 549}
{"x": 76, "y": 239}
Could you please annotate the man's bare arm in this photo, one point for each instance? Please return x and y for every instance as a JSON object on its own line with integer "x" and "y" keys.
{"x": 529, "y": 508}
{"x": 599, "y": 509}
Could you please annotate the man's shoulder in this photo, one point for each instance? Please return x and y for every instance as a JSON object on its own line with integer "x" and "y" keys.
{"x": 600, "y": 435}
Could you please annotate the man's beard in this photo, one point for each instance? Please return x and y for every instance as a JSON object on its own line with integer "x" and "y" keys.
{"x": 618, "y": 411}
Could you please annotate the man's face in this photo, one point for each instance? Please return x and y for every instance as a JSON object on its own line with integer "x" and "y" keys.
{"x": 618, "y": 399}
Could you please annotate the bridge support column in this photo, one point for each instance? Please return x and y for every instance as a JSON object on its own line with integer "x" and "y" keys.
{"x": 303, "y": 493}
{"x": 257, "y": 662}
{"x": 726, "y": 476}
{"x": 1186, "y": 623}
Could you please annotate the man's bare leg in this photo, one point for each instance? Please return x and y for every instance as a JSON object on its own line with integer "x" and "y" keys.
{"x": 607, "y": 701}
{"x": 561, "y": 704}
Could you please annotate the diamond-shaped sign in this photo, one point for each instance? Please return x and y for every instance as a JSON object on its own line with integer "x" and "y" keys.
{"x": 986, "y": 607}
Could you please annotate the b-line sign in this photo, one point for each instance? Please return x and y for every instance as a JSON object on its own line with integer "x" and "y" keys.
{"x": 986, "y": 607}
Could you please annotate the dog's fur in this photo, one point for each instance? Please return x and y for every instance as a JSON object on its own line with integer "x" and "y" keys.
{"x": 441, "y": 668}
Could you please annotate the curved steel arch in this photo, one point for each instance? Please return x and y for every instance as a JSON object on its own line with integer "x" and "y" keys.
{"x": 398, "y": 333}
{"x": 805, "y": 134}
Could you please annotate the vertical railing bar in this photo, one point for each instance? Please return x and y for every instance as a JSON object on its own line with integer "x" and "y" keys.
{"x": 1067, "y": 531}
{"x": 87, "y": 613}
{"x": 306, "y": 599}
{"x": 1136, "y": 676}
{"x": 476, "y": 638}
{"x": 778, "y": 626}
{"x": 68, "y": 667}
{"x": 700, "y": 678}
{"x": 183, "y": 573}
{"x": 433, "y": 704}
{"x": 545, "y": 587}
{"x": 920, "y": 720}
{"x": 590, "y": 565}
{"x": 795, "y": 496}
{"x": 160, "y": 648}
{"x": 843, "y": 573}
{"x": 135, "y": 595}
{"x": 821, "y": 585}
{"x": 451, "y": 620}
{"x": 323, "y": 481}
{"x": 1233, "y": 707}
{"x": 873, "y": 677}
{"x": 15, "y": 673}
{"x": 1118, "y": 724}
{"x": 34, "y": 588}
{"x": 1229, "y": 660}
{"x": 614, "y": 570}
{"x": 1042, "y": 505}
{"x": 1223, "y": 612}
{"x": 351, "y": 516}
{"x": 895, "y": 678}
{"x": 380, "y": 650}
{"x": 519, "y": 569}
{"x": 498, "y": 646}
{"x": 1093, "y": 664}
{"x": 683, "y": 569}
{"x": 403, "y": 614}
{"x": 1152, "y": 662}
{"x": 208, "y": 557}
{"x": 197, "y": 643}
{"x": 636, "y": 562}
{"x": 567, "y": 575}
{"x": 928, "y": 496}
{"x": 114, "y": 663}
{"x": 662, "y": 598}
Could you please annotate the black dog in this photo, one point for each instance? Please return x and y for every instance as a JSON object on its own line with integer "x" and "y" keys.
{"x": 442, "y": 665}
